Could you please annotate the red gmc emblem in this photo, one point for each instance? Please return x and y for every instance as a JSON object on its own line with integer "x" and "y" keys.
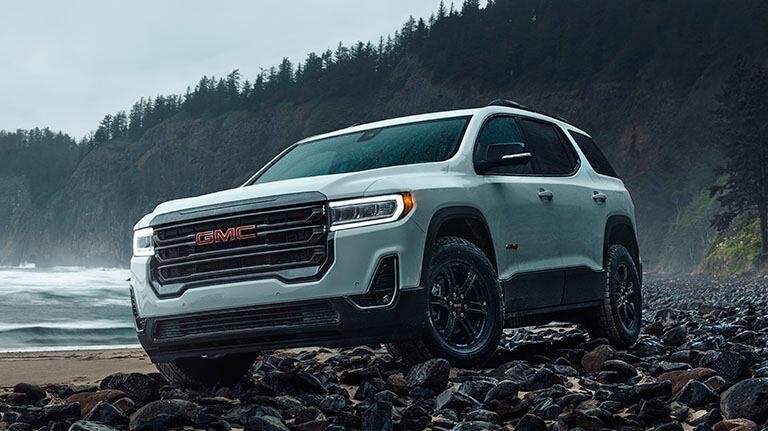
{"x": 231, "y": 234}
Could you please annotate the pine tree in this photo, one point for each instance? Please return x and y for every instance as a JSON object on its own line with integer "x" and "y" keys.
{"x": 743, "y": 131}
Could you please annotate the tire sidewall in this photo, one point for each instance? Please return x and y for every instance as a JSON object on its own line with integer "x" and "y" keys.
{"x": 616, "y": 256}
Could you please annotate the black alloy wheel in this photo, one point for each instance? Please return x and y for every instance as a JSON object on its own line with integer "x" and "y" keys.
{"x": 458, "y": 307}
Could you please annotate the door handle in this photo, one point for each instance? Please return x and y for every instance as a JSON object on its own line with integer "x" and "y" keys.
{"x": 599, "y": 197}
{"x": 546, "y": 194}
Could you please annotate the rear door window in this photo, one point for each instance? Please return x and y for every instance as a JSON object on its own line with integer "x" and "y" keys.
{"x": 592, "y": 152}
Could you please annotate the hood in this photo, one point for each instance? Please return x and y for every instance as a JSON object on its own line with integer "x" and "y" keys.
{"x": 332, "y": 186}
{"x": 338, "y": 186}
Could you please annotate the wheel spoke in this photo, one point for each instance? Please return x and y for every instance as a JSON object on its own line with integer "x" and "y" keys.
{"x": 450, "y": 327}
{"x": 467, "y": 328}
{"x": 468, "y": 283}
{"x": 476, "y": 307}
{"x": 441, "y": 302}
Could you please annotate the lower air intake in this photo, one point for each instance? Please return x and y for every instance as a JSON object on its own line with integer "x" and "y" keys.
{"x": 382, "y": 290}
{"x": 287, "y": 316}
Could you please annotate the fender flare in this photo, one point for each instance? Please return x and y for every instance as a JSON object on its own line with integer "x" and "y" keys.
{"x": 439, "y": 218}
{"x": 622, "y": 220}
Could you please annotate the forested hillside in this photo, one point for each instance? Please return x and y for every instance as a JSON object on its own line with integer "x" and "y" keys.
{"x": 641, "y": 76}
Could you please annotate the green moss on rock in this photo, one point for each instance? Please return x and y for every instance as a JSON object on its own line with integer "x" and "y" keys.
{"x": 735, "y": 251}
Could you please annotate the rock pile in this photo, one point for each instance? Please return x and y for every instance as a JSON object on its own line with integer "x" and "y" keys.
{"x": 701, "y": 363}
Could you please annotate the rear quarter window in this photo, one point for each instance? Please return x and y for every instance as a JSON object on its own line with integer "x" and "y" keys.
{"x": 596, "y": 158}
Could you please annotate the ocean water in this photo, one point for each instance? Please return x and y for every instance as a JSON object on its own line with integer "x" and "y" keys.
{"x": 64, "y": 308}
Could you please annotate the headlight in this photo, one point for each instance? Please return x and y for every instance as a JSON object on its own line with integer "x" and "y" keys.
{"x": 351, "y": 213}
{"x": 142, "y": 242}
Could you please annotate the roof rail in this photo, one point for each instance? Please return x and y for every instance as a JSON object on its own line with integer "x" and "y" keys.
{"x": 508, "y": 103}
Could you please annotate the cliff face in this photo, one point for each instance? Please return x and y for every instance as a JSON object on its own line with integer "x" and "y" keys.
{"x": 648, "y": 98}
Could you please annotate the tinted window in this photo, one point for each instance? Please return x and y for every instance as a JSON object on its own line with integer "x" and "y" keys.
{"x": 405, "y": 144}
{"x": 592, "y": 152}
{"x": 500, "y": 130}
{"x": 551, "y": 157}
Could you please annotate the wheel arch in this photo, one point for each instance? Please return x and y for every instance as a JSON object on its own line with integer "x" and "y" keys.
{"x": 463, "y": 222}
{"x": 619, "y": 229}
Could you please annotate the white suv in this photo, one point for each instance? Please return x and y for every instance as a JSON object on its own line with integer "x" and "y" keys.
{"x": 431, "y": 233}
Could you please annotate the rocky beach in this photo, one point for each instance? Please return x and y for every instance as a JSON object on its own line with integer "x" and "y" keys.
{"x": 701, "y": 364}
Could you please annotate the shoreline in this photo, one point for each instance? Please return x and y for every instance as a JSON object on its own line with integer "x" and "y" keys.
{"x": 65, "y": 349}
{"x": 70, "y": 366}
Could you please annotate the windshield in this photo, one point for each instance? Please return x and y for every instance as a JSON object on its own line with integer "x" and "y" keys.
{"x": 404, "y": 144}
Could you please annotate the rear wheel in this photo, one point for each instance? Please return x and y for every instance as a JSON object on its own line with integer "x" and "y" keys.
{"x": 620, "y": 313}
{"x": 465, "y": 309}
{"x": 199, "y": 372}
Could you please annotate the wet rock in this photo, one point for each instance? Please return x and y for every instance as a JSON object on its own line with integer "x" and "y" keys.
{"x": 141, "y": 388}
{"x": 378, "y": 417}
{"x": 59, "y": 412}
{"x": 624, "y": 370}
{"x": 681, "y": 378}
{"x": 607, "y": 377}
{"x": 293, "y": 383}
{"x": 34, "y": 393}
{"x": 90, "y": 426}
{"x": 709, "y": 419}
{"x": 88, "y": 400}
{"x": 669, "y": 426}
{"x": 735, "y": 425}
{"x": 503, "y": 390}
{"x": 729, "y": 365}
{"x": 654, "y": 412}
{"x": 432, "y": 374}
{"x": 696, "y": 394}
{"x": 455, "y": 401}
{"x": 16, "y": 399}
{"x": 219, "y": 425}
{"x": 654, "y": 390}
{"x": 593, "y": 361}
{"x": 531, "y": 422}
{"x": 544, "y": 378}
{"x": 474, "y": 426}
{"x": 716, "y": 383}
{"x": 481, "y": 415}
{"x": 162, "y": 415}
{"x": 106, "y": 414}
{"x": 577, "y": 419}
{"x": 477, "y": 389}
{"x": 266, "y": 423}
{"x": 675, "y": 336}
{"x": 747, "y": 399}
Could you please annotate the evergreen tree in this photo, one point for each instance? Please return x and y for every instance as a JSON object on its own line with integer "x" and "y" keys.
{"x": 743, "y": 145}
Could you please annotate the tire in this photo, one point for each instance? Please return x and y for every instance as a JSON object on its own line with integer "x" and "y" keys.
{"x": 620, "y": 314}
{"x": 203, "y": 372}
{"x": 474, "y": 304}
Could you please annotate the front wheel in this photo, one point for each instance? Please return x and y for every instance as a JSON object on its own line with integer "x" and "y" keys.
{"x": 205, "y": 372}
{"x": 621, "y": 310}
{"x": 465, "y": 308}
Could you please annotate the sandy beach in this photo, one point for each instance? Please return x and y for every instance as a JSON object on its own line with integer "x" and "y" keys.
{"x": 78, "y": 367}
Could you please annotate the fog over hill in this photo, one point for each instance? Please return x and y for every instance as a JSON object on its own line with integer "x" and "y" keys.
{"x": 640, "y": 76}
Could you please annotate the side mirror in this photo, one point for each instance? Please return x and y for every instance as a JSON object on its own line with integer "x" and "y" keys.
{"x": 513, "y": 154}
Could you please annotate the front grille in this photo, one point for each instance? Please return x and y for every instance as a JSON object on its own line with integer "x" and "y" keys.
{"x": 285, "y": 239}
{"x": 262, "y": 317}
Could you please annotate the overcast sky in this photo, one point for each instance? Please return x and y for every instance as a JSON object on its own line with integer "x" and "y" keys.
{"x": 67, "y": 63}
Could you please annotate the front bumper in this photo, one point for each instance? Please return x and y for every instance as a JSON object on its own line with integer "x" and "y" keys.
{"x": 331, "y": 322}
{"x": 357, "y": 254}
